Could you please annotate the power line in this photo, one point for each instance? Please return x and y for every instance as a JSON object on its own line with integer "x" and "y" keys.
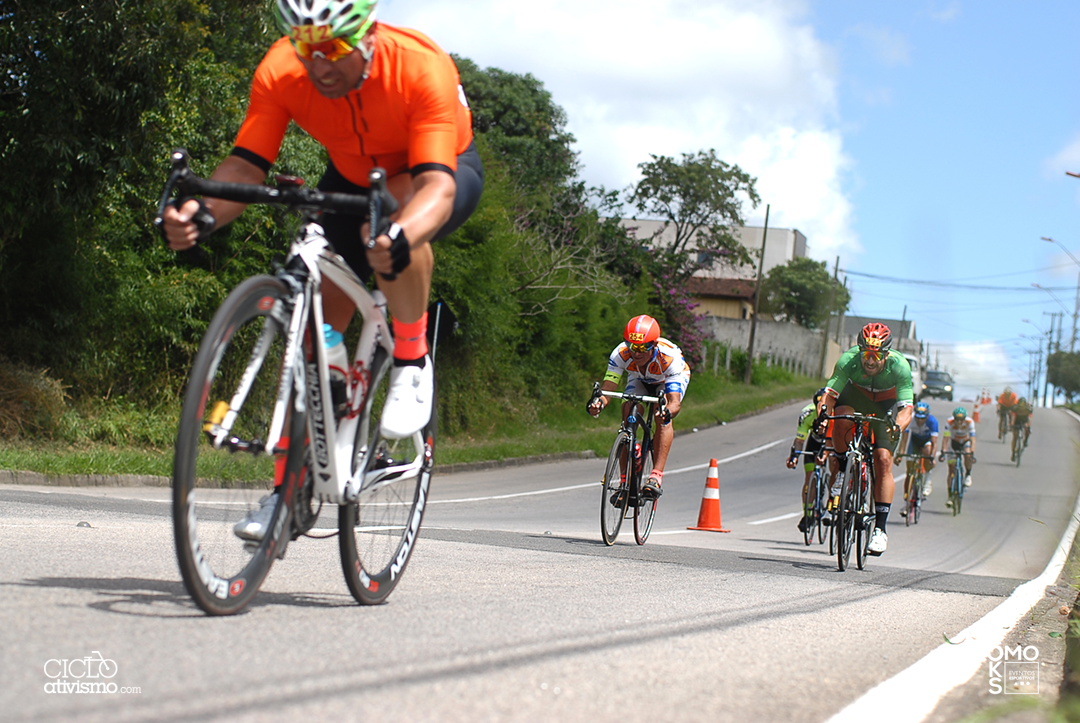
{"x": 952, "y": 285}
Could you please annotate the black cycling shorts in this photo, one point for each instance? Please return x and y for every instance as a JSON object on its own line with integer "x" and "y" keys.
{"x": 343, "y": 230}
{"x": 852, "y": 397}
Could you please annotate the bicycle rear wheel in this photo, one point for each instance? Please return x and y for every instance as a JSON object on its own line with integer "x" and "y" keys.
{"x": 379, "y": 529}
{"x": 614, "y": 493}
{"x": 822, "y": 491}
{"x": 865, "y": 520}
{"x": 1018, "y": 445}
{"x": 214, "y": 488}
{"x": 646, "y": 507}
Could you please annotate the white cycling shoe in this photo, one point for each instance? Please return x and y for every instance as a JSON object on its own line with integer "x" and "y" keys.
{"x": 253, "y": 527}
{"x": 878, "y": 542}
{"x": 967, "y": 481}
{"x": 927, "y": 488}
{"x": 408, "y": 402}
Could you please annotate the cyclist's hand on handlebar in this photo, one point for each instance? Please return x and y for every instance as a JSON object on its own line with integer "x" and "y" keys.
{"x": 390, "y": 255}
{"x": 187, "y": 225}
{"x": 663, "y": 416}
{"x": 594, "y": 407}
{"x": 792, "y": 462}
{"x": 941, "y": 458}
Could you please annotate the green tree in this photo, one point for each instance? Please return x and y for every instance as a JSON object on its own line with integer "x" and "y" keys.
{"x": 1063, "y": 371}
{"x": 523, "y": 126}
{"x": 700, "y": 198}
{"x": 803, "y": 291}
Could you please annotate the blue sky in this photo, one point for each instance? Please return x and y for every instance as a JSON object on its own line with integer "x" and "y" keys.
{"x": 924, "y": 139}
{"x": 959, "y": 118}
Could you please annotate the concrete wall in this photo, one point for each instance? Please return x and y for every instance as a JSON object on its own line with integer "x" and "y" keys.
{"x": 789, "y": 345}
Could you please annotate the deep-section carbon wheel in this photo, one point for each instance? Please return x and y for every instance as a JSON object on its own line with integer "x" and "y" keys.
{"x": 215, "y": 487}
{"x": 646, "y": 507}
{"x": 379, "y": 530}
{"x": 614, "y": 494}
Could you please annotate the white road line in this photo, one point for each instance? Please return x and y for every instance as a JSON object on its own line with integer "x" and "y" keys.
{"x": 747, "y": 453}
{"x": 766, "y": 521}
{"x": 926, "y": 682}
{"x": 755, "y": 450}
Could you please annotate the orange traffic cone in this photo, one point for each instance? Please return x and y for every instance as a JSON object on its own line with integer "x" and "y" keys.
{"x": 709, "y": 516}
{"x": 975, "y": 414}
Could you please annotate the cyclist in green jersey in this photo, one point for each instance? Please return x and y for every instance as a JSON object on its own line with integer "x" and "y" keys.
{"x": 806, "y": 440}
{"x": 871, "y": 378}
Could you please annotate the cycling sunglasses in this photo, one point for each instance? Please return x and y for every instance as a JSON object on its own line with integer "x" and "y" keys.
{"x": 871, "y": 354}
{"x": 333, "y": 50}
{"x": 641, "y": 348}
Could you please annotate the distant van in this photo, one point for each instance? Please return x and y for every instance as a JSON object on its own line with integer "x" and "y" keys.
{"x": 916, "y": 374}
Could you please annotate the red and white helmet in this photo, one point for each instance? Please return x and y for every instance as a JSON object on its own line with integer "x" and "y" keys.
{"x": 642, "y": 330}
{"x": 875, "y": 337}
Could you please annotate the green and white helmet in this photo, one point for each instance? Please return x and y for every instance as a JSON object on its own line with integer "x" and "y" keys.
{"x": 348, "y": 19}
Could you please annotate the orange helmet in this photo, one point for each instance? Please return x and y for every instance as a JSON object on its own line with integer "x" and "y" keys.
{"x": 875, "y": 337}
{"x": 642, "y": 330}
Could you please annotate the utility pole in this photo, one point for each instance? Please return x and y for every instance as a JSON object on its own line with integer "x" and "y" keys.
{"x": 832, "y": 307}
{"x": 757, "y": 302}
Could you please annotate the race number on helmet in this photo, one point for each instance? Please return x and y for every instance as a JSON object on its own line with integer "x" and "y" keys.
{"x": 641, "y": 330}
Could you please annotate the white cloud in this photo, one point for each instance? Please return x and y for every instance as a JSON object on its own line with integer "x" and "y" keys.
{"x": 946, "y": 14}
{"x": 978, "y": 364}
{"x": 749, "y": 79}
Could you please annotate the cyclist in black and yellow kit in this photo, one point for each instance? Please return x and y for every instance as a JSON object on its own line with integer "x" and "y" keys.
{"x": 807, "y": 440}
{"x": 1022, "y": 414}
{"x": 871, "y": 378}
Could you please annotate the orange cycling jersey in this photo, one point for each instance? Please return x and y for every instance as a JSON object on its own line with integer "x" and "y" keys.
{"x": 1007, "y": 400}
{"x": 410, "y": 114}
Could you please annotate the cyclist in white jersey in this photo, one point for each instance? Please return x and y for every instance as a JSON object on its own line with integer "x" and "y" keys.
{"x": 960, "y": 435}
{"x": 652, "y": 365}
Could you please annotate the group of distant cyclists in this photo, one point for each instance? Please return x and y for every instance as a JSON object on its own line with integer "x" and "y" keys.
{"x": 872, "y": 379}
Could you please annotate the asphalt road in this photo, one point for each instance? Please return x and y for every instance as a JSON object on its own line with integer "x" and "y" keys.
{"x": 512, "y": 607}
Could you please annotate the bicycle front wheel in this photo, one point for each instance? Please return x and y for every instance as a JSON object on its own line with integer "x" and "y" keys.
{"x": 646, "y": 507}
{"x": 221, "y": 474}
{"x": 378, "y": 530}
{"x": 614, "y": 493}
{"x": 865, "y": 519}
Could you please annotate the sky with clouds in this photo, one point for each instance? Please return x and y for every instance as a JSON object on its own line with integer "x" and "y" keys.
{"x": 926, "y": 139}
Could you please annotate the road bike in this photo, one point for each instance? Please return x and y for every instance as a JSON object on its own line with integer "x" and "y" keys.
{"x": 1019, "y": 443}
{"x": 818, "y": 491}
{"x": 916, "y": 495}
{"x": 1003, "y": 425}
{"x": 628, "y": 466}
{"x": 957, "y": 475}
{"x": 854, "y": 519}
{"x": 265, "y": 422}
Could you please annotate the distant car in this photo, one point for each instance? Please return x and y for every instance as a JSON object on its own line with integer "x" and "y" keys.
{"x": 937, "y": 384}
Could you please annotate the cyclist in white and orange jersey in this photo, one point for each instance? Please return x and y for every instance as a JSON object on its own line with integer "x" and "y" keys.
{"x": 652, "y": 365}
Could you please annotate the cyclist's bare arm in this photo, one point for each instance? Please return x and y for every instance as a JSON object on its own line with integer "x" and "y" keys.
{"x": 903, "y": 417}
{"x": 674, "y": 403}
{"x": 426, "y": 205}
{"x": 600, "y": 402}
{"x": 179, "y": 229}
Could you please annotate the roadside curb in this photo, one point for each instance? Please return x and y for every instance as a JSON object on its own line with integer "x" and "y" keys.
{"x": 41, "y": 479}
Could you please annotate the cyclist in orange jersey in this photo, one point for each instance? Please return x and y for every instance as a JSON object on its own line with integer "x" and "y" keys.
{"x": 372, "y": 95}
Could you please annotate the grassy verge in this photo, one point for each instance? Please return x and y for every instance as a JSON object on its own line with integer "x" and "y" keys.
{"x": 562, "y": 427}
